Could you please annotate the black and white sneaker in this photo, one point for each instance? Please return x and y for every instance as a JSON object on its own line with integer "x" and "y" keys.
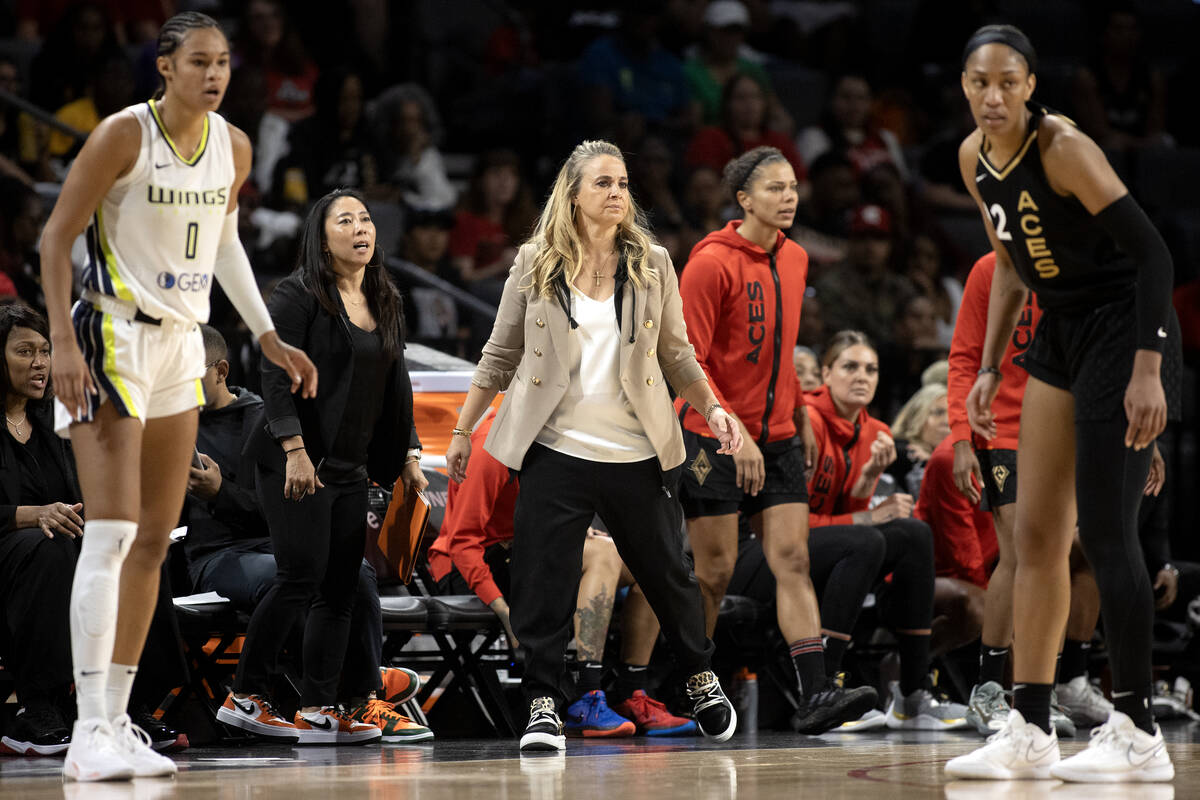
{"x": 829, "y": 707}
{"x": 711, "y": 708}
{"x": 37, "y": 730}
{"x": 545, "y": 729}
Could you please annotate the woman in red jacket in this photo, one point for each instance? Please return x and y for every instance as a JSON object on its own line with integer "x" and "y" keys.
{"x": 742, "y": 289}
{"x": 854, "y": 450}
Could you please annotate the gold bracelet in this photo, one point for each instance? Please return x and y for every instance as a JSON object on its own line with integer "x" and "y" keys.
{"x": 413, "y": 460}
{"x": 463, "y": 432}
{"x": 713, "y": 406}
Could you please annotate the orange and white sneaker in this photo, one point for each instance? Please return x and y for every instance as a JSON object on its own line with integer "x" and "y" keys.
{"x": 394, "y": 726}
{"x": 331, "y": 725}
{"x": 399, "y": 684}
{"x": 256, "y": 714}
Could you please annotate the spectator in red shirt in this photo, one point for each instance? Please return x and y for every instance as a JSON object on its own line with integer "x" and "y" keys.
{"x": 471, "y": 555}
{"x": 743, "y": 127}
{"x": 494, "y": 217}
{"x": 269, "y": 41}
{"x": 847, "y": 128}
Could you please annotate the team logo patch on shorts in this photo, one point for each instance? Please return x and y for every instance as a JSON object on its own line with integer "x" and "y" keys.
{"x": 1000, "y": 474}
{"x": 701, "y": 467}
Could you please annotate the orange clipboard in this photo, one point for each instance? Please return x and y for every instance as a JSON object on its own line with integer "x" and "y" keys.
{"x": 403, "y": 528}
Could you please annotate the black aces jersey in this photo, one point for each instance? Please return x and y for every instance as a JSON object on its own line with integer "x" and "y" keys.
{"x": 1057, "y": 247}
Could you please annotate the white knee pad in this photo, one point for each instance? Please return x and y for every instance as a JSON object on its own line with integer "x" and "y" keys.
{"x": 96, "y": 586}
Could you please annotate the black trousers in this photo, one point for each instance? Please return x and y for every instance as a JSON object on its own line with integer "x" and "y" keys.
{"x": 907, "y": 602}
{"x": 559, "y": 496}
{"x": 318, "y": 543}
{"x": 35, "y": 595}
{"x": 844, "y": 563}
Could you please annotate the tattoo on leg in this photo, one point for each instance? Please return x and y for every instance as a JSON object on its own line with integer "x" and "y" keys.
{"x": 591, "y": 626}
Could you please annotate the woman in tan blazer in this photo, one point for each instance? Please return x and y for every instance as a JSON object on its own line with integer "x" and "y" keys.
{"x": 589, "y": 330}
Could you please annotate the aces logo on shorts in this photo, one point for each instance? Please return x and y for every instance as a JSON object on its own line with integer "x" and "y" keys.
{"x": 701, "y": 467}
{"x": 1000, "y": 475}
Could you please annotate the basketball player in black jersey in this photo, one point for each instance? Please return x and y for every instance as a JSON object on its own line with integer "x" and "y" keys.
{"x": 1063, "y": 224}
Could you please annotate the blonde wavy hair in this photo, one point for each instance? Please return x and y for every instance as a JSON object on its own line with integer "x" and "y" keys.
{"x": 557, "y": 237}
{"x": 912, "y": 415}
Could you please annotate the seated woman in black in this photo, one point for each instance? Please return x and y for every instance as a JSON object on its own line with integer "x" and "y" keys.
{"x": 40, "y": 520}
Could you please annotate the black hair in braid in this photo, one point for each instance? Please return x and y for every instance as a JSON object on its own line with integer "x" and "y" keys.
{"x": 739, "y": 172}
{"x": 174, "y": 31}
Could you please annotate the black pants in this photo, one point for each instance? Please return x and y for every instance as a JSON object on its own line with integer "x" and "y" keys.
{"x": 35, "y": 593}
{"x": 318, "y": 543}
{"x": 559, "y": 496}
{"x": 844, "y": 563}
{"x": 1109, "y": 480}
{"x": 907, "y": 602}
{"x": 245, "y": 577}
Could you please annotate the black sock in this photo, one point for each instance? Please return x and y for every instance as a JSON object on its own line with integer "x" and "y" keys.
{"x": 914, "y": 661}
{"x": 589, "y": 676}
{"x": 1074, "y": 660}
{"x": 992, "y": 663}
{"x": 809, "y": 657}
{"x": 1136, "y": 705}
{"x": 835, "y": 648}
{"x": 630, "y": 678}
{"x": 1033, "y": 701}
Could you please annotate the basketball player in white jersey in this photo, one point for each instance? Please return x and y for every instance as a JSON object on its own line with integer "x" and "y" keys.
{"x": 156, "y": 187}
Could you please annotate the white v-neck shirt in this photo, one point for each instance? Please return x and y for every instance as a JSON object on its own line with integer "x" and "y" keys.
{"x": 594, "y": 420}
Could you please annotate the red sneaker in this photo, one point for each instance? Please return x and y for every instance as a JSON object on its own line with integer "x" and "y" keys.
{"x": 652, "y": 717}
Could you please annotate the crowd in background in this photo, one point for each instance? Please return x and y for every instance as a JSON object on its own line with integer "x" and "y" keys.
{"x": 451, "y": 117}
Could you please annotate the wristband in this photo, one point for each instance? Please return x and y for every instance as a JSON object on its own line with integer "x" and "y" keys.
{"x": 708, "y": 412}
{"x": 293, "y": 450}
{"x": 989, "y": 371}
{"x": 462, "y": 432}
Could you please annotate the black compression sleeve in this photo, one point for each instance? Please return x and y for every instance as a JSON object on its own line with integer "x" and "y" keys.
{"x": 1137, "y": 237}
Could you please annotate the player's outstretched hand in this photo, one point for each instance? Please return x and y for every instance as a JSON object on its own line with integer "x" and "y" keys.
{"x": 291, "y": 360}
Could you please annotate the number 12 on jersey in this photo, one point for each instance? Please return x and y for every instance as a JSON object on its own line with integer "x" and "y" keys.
{"x": 193, "y": 233}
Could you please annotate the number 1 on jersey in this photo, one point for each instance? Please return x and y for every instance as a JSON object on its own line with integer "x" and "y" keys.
{"x": 193, "y": 233}
{"x": 1001, "y": 220}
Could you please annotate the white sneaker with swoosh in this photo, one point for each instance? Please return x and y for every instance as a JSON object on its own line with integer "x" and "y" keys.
{"x": 1019, "y": 751}
{"x": 1119, "y": 752}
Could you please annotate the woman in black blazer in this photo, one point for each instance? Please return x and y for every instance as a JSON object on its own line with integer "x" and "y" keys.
{"x": 314, "y": 458}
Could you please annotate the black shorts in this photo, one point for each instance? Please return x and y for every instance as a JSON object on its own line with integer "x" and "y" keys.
{"x": 1090, "y": 354}
{"x": 496, "y": 556}
{"x": 999, "y": 468}
{"x": 708, "y": 487}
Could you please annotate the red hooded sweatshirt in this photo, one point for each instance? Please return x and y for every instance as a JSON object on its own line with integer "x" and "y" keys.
{"x": 742, "y": 309}
{"x": 966, "y": 350}
{"x": 844, "y": 447}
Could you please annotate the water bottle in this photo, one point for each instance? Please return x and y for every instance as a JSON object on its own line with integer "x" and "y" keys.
{"x": 745, "y": 700}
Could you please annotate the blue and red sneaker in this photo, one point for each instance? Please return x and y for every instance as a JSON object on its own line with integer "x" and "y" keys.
{"x": 590, "y": 716}
{"x": 652, "y": 718}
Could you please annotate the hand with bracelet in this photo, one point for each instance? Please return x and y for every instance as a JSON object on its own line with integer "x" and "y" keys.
{"x": 411, "y": 475}
{"x": 300, "y": 476}
{"x": 979, "y": 402}
{"x": 459, "y": 451}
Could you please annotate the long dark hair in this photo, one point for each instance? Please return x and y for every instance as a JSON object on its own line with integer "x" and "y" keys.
{"x": 174, "y": 31}
{"x": 19, "y": 315}
{"x": 314, "y": 268}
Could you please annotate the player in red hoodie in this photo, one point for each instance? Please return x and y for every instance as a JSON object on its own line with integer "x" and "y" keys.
{"x": 742, "y": 290}
{"x": 988, "y": 469}
{"x": 854, "y": 450}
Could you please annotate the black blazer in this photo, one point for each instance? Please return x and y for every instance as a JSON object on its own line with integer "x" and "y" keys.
{"x": 301, "y": 321}
{"x": 10, "y": 467}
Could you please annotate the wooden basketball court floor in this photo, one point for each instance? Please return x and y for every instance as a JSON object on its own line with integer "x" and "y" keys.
{"x": 878, "y": 765}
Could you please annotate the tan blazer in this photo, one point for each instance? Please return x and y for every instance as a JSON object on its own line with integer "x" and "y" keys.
{"x": 527, "y": 356}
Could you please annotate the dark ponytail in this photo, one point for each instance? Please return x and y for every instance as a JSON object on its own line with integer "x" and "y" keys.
{"x": 174, "y": 31}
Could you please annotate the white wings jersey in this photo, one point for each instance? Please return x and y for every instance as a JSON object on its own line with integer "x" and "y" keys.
{"x": 154, "y": 237}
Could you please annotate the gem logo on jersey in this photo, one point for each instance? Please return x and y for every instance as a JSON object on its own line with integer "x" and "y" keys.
{"x": 185, "y": 281}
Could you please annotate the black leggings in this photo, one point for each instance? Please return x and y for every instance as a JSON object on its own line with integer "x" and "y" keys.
{"x": 844, "y": 563}
{"x": 907, "y": 602}
{"x": 1109, "y": 480}
{"x": 318, "y": 543}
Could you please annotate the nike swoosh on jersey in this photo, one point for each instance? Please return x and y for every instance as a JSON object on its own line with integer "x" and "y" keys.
{"x": 1162, "y": 333}
{"x": 160, "y": 166}
{"x": 979, "y": 178}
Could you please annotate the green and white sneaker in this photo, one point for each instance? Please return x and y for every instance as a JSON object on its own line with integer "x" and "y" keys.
{"x": 988, "y": 708}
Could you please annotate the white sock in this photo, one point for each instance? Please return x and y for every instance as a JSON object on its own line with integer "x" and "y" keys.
{"x": 94, "y": 598}
{"x": 120, "y": 684}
